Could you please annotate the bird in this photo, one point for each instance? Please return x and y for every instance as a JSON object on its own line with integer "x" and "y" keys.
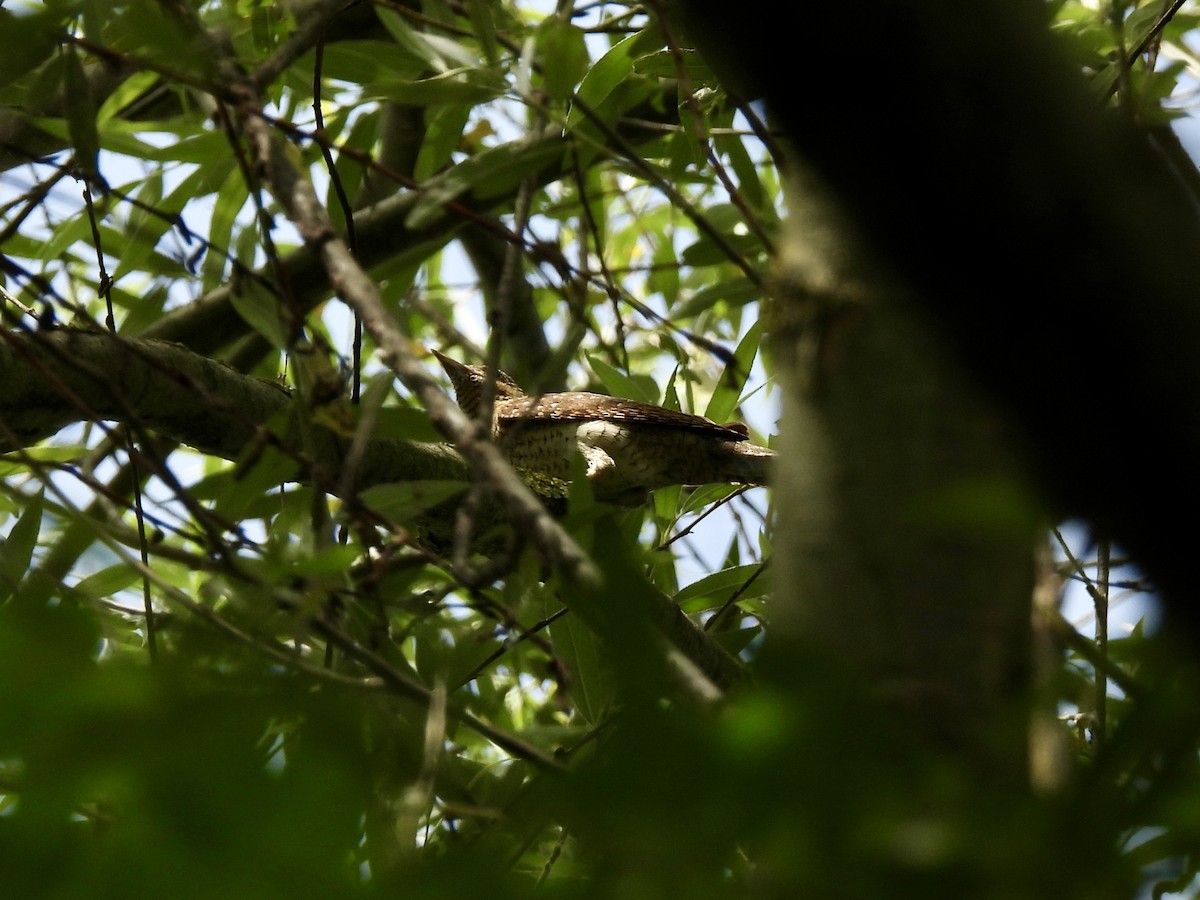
{"x": 628, "y": 447}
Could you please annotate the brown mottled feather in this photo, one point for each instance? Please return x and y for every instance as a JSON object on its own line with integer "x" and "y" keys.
{"x": 582, "y": 406}
{"x": 629, "y": 446}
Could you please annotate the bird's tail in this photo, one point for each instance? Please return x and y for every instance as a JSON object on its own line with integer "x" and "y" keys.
{"x": 745, "y": 463}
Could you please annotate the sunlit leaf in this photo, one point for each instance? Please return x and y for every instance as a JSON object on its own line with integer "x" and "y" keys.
{"x": 13, "y": 463}
{"x": 619, "y": 384}
{"x": 668, "y": 63}
{"x": 109, "y": 581}
{"x": 729, "y": 386}
{"x": 485, "y": 28}
{"x": 362, "y": 62}
{"x": 17, "y": 549}
{"x": 713, "y": 590}
{"x": 81, "y": 113}
{"x": 469, "y": 86}
{"x": 488, "y": 174}
{"x": 418, "y": 45}
{"x": 604, "y": 76}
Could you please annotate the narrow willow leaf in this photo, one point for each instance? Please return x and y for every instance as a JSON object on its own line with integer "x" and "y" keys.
{"x": 485, "y": 28}
{"x": 737, "y": 291}
{"x": 405, "y": 499}
{"x": 489, "y": 174}
{"x": 562, "y": 56}
{"x": 590, "y": 683}
{"x": 16, "y": 552}
{"x": 81, "y": 113}
{"x": 361, "y": 62}
{"x": 259, "y": 308}
{"x": 733, "y": 380}
{"x": 411, "y": 40}
{"x": 28, "y": 42}
{"x": 603, "y": 78}
{"x": 713, "y": 590}
{"x": 405, "y": 422}
{"x": 442, "y": 135}
{"x": 13, "y": 463}
{"x": 471, "y": 86}
{"x": 634, "y": 387}
{"x": 108, "y": 581}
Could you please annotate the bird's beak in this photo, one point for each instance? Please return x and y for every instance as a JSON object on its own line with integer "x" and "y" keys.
{"x": 450, "y": 366}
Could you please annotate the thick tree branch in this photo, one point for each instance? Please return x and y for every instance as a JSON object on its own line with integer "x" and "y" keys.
{"x": 1043, "y": 234}
{"x": 52, "y": 379}
{"x": 383, "y": 232}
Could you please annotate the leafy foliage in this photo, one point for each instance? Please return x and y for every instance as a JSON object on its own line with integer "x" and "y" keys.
{"x": 244, "y": 672}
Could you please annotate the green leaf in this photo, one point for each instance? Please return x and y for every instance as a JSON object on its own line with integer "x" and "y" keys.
{"x": 136, "y": 244}
{"x": 492, "y": 173}
{"x": 739, "y": 639}
{"x": 705, "y": 495}
{"x": 125, "y": 93}
{"x": 330, "y": 560}
{"x": 665, "y": 64}
{"x": 733, "y": 380}
{"x": 443, "y": 133}
{"x": 251, "y": 488}
{"x": 484, "y": 23}
{"x": 230, "y": 199}
{"x": 706, "y": 252}
{"x": 17, "y": 550}
{"x": 69, "y": 232}
{"x": 604, "y": 77}
{"x": 635, "y": 387}
{"x": 590, "y": 683}
{"x": 361, "y": 62}
{"x": 414, "y": 42}
{"x": 664, "y": 278}
{"x": 737, "y": 291}
{"x": 713, "y": 590}
{"x": 13, "y": 463}
{"x": 471, "y": 86}
{"x": 405, "y": 422}
{"x": 402, "y": 500}
{"x": 562, "y": 55}
{"x": 108, "y": 581}
{"x": 1140, "y": 22}
{"x": 27, "y": 42}
{"x": 205, "y": 180}
{"x": 260, "y": 309}
{"x": 749, "y": 182}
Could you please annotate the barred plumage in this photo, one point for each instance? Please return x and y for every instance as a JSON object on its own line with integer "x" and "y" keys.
{"x": 629, "y": 447}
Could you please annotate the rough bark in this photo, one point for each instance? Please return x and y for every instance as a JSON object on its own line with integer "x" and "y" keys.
{"x": 905, "y": 536}
{"x": 1046, "y": 238}
{"x": 54, "y": 378}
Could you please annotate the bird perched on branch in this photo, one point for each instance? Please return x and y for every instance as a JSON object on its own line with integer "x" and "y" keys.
{"x": 628, "y": 447}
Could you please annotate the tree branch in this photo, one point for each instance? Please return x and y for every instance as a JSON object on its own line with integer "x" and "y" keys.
{"x": 55, "y": 378}
{"x": 1080, "y": 309}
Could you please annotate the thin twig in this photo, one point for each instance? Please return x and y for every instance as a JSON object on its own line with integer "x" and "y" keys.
{"x": 105, "y": 289}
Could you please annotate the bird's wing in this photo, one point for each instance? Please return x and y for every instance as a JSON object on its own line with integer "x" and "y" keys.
{"x": 582, "y": 406}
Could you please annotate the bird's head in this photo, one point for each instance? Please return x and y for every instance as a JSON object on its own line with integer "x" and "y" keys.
{"x": 468, "y": 382}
